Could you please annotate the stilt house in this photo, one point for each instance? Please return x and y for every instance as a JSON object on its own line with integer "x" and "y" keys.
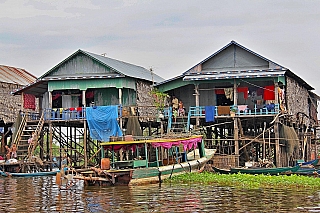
{"x": 82, "y": 80}
{"x": 251, "y": 108}
{"x": 12, "y": 78}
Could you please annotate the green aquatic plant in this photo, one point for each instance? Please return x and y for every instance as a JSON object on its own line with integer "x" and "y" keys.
{"x": 247, "y": 180}
{"x": 159, "y": 98}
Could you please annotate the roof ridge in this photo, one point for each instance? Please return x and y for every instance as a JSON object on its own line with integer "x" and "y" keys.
{"x": 233, "y": 42}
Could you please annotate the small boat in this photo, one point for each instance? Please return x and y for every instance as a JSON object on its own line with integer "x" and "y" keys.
{"x": 221, "y": 171}
{"x": 307, "y": 171}
{"x": 148, "y": 160}
{"x": 31, "y": 174}
{"x": 312, "y": 162}
{"x": 266, "y": 171}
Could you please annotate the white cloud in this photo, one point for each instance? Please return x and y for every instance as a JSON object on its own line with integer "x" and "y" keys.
{"x": 170, "y": 36}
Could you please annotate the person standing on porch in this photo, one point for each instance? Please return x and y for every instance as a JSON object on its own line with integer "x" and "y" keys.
{"x": 181, "y": 109}
{"x": 175, "y": 102}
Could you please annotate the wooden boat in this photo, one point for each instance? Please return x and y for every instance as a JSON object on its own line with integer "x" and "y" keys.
{"x": 221, "y": 171}
{"x": 312, "y": 162}
{"x": 266, "y": 171}
{"x": 148, "y": 161}
{"x": 33, "y": 174}
{"x": 307, "y": 171}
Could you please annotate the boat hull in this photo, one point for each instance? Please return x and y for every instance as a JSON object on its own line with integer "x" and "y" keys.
{"x": 141, "y": 176}
{"x": 266, "y": 171}
{"x": 221, "y": 171}
{"x": 35, "y": 174}
{"x": 156, "y": 175}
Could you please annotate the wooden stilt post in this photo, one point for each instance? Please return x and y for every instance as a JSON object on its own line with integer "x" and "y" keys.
{"x": 197, "y": 94}
{"x": 120, "y": 103}
{"x": 84, "y": 132}
{"x": 236, "y": 139}
{"x": 85, "y": 144}
{"x": 277, "y": 142}
{"x": 157, "y": 156}
{"x": 50, "y": 131}
{"x": 50, "y": 144}
{"x": 112, "y": 156}
{"x": 235, "y": 124}
{"x": 146, "y": 152}
{"x": 264, "y": 142}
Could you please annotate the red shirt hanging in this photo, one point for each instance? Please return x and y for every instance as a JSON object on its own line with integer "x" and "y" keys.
{"x": 268, "y": 93}
{"x": 29, "y": 101}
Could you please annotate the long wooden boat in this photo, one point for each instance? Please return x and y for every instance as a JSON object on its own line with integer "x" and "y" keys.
{"x": 148, "y": 161}
{"x": 270, "y": 171}
{"x": 32, "y": 174}
{"x": 307, "y": 172}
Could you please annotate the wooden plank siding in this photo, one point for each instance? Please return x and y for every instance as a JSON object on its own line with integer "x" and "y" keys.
{"x": 81, "y": 65}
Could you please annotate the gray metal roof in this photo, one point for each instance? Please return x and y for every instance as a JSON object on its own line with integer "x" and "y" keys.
{"x": 127, "y": 69}
{"x": 13, "y": 75}
{"x": 121, "y": 67}
{"x": 229, "y": 73}
{"x": 246, "y": 49}
{"x": 236, "y": 74}
{"x": 40, "y": 85}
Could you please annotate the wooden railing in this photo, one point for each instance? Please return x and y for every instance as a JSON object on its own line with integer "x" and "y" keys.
{"x": 20, "y": 129}
{"x": 37, "y": 132}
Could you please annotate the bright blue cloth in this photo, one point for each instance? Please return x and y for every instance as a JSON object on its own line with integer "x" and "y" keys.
{"x": 102, "y": 122}
{"x": 210, "y": 112}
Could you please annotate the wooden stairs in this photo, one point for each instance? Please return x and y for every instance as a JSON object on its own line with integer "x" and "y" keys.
{"x": 179, "y": 125}
{"x": 24, "y": 132}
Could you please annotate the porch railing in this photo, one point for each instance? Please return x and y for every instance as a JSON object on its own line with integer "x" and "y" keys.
{"x": 78, "y": 113}
{"x": 271, "y": 109}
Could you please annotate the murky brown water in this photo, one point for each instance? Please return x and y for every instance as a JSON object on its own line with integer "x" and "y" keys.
{"x": 42, "y": 195}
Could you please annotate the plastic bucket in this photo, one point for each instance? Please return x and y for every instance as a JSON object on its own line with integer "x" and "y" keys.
{"x": 105, "y": 163}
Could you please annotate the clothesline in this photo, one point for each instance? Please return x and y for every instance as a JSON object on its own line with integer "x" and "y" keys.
{"x": 219, "y": 88}
{"x": 257, "y": 86}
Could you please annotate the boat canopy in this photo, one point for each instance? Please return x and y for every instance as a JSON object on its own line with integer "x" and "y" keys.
{"x": 188, "y": 143}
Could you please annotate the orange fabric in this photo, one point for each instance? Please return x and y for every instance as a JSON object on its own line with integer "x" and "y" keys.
{"x": 223, "y": 110}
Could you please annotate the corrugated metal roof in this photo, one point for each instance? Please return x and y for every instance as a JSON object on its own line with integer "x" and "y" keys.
{"x": 229, "y": 73}
{"x": 13, "y": 75}
{"x": 236, "y": 74}
{"x": 121, "y": 67}
{"x": 127, "y": 69}
{"x": 228, "y": 45}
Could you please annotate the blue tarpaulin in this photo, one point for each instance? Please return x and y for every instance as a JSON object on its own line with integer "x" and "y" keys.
{"x": 102, "y": 121}
{"x": 210, "y": 112}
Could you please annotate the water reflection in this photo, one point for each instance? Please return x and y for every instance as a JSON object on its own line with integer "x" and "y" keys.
{"x": 42, "y": 195}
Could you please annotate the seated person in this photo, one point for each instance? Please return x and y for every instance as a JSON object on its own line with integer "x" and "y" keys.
{"x": 8, "y": 154}
{"x": 14, "y": 151}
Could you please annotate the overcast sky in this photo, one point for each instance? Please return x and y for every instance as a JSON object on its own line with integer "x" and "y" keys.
{"x": 170, "y": 36}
